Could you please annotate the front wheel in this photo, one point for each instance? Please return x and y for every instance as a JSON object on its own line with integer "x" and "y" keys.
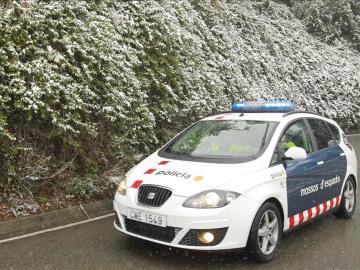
{"x": 265, "y": 233}
{"x": 348, "y": 200}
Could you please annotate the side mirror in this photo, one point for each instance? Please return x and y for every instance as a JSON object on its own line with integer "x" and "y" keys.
{"x": 295, "y": 153}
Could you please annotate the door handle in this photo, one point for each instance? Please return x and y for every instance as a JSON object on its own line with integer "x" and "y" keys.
{"x": 320, "y": 162}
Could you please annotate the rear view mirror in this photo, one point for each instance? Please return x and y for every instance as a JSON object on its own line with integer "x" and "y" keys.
{"x": 295, "y": 153}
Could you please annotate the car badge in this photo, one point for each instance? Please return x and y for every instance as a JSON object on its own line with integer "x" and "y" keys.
{"x": 151, "y": 195}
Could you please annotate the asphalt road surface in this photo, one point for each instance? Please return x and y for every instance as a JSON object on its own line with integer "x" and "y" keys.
{"x": 327, "y": 243}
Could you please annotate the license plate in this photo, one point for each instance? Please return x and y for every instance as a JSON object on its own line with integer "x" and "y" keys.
{"x": 146, "y": 217}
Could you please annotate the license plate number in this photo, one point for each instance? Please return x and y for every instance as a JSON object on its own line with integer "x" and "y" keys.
{"x": 146, "y": 217}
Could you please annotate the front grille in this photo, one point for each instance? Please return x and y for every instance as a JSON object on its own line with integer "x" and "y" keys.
{"x": 153, "y": 195}
{"x": 192, "y": 237}
{"x": 166, "y": 234}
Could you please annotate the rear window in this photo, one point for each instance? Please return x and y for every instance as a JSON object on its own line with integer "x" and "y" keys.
{"x": 335, "y": 132}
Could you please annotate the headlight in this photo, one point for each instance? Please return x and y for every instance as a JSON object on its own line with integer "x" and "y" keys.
{"x": 211, "y": 199}
{"x": 122, "y": 186}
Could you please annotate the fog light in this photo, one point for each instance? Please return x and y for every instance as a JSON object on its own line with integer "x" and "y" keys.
{"x": 206, "y": 237}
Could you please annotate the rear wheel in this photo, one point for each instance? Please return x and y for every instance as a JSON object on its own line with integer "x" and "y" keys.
{"x": 348, "y": 200}
{"x": 265, "y": 234}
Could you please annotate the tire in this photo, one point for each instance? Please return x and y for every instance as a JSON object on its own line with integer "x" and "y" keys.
{"x": 265, "y": 233}
{"x": 348, "y": 200}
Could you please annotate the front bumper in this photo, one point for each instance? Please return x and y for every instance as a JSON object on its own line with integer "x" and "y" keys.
{"x": 231, "y": 224}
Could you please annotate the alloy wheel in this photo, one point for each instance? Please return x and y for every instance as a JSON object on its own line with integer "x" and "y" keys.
{"x": 268, "y": 232}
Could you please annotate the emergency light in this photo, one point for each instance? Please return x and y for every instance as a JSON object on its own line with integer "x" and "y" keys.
{"x": 263, "y": 106}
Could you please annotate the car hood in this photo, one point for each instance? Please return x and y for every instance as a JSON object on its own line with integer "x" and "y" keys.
{"x": 186, "y": 178}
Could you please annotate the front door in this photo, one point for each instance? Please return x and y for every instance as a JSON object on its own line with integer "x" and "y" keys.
{"x": 302, "y": 177}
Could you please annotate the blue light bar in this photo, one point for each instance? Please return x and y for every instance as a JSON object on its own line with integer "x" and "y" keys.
{"x": 263, "y": 106}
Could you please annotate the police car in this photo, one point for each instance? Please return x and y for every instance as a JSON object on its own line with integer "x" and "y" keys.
{"x": 239, "y": 179}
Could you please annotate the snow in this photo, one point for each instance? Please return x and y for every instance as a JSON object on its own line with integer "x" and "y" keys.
{"x": 125, "y": 76}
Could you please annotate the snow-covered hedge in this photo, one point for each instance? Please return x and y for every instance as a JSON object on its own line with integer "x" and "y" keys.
{"x": 331, "y": 21}
{"x": 89, "y": 87}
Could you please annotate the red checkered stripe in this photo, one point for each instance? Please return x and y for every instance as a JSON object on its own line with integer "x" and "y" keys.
{"x": 313, "y": 212}
{"x": 222, "y": 116}
{"x": 138, "y": 183}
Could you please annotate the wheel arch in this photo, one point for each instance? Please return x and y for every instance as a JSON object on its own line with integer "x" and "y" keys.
{"x": 351, "y": 175}
{"x": 253, "y": 242}
{"x": 354, "y": 178}
{"x": 278, "y": 204}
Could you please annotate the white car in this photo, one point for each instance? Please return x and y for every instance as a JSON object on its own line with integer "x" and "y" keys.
{"x": 239, "y": 179}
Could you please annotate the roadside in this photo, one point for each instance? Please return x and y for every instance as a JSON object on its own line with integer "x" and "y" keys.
{"x": 17, "y": 203}
{"x": 352, "y": 132}
{"x": 25, "y": 225}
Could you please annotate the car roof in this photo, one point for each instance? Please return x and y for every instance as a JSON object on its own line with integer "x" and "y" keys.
{"x": 265, "y": 116}
{"x": 246, "y": 116}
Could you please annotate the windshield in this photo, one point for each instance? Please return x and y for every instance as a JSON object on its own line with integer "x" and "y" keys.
{"x": 228, "y": 140}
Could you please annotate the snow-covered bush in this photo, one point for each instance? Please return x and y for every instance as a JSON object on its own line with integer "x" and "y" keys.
{"x": 86, "y": 188}
{"x": 332, "y": 21}
{"x": 90, "y": 87}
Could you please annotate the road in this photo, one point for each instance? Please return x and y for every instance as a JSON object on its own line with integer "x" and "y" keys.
{"x": 328, "y": 243}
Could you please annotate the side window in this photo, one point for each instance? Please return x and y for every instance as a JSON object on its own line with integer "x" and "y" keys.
{"x": 335, "y": 132}
{"x": 296, "y": 135}
{"x": 275, "y": 158}
{"x": 322, "y": 133}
